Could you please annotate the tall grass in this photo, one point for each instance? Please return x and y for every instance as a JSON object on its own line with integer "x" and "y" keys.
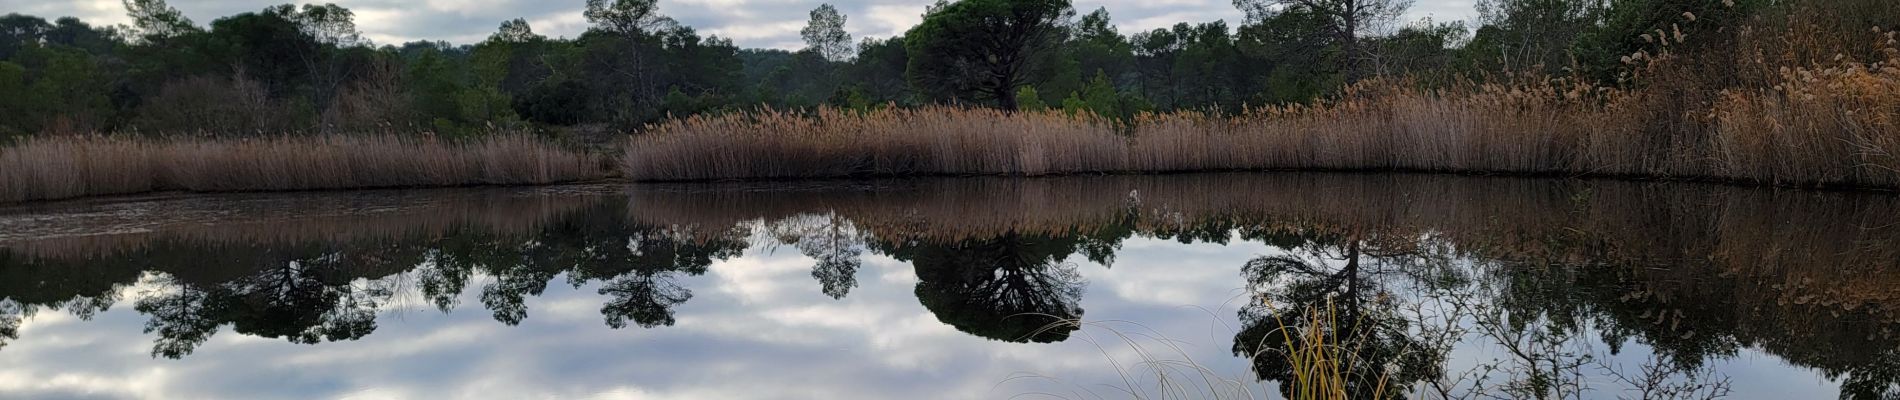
{"x": 1779, "y": 113}
{"x": 1845, "y": 137}
{"x": 1322, "y": 362}
{"x": 74, "y": 166}
{"x": 932, "y": 140}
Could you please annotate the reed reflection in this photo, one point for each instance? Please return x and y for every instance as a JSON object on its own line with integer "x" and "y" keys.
{"x": 1557, "y": 274}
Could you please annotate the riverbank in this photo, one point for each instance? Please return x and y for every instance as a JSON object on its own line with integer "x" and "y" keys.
{"x": 1824, "y": 126}
{"x": 1834, "y": 126}
{"x": 66, "y": 167}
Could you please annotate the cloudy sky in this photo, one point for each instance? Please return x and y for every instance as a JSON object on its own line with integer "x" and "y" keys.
{"x": 750, "y": 23}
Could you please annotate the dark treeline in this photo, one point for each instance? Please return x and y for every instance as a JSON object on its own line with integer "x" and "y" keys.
{"x": 307, "y": 68}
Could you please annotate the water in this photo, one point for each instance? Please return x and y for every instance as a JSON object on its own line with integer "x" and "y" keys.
{"x": 1083, "y": 287}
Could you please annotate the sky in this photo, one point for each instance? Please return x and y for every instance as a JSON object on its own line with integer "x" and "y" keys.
{"x": 749, "y": 23}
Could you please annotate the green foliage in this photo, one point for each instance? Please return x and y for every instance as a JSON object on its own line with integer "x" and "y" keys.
{"x": 13, "y": 80}
{"x": 879, "y": 70}
{"x": 1074, "y": 104}
{"x": 66, "y": 87}
{"x": 825, "y": 34}
{"x": 625, "y": 17}
{"x": 1620, "y": 26}
{"x": 1029, "y": 100}
{"x": 154, "y": 20}
{"x": 306, "y": 68}
{"x": 1097, "y": 46}
{"x": 1299, "y": 63}
{"x": 850, "y": 99}
{"x": 678, "y": 103}
{"x": 1418, "y": 50}
{"x": 1100, "y": 97}
{"x": 1525, "y": 35}
{"x": 978, "y": 50}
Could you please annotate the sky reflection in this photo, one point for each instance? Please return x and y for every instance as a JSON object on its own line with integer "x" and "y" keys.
{"x": 761, "y": 322}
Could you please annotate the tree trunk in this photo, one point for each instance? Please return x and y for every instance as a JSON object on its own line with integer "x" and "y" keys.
{"x": 1005, "y": 97}
{"x": 1349, "y": 33}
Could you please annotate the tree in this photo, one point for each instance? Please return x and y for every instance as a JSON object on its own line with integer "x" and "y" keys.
{"x": 515, "y": 31}
{"x": 982, "y": 49}
{"x": 1102, "y": 98}
{"x": 825, "y": 34}
{"x": 1193, "y": 66}
{"x": 879, "y": 70}
{"x": 70, "y": 88}
{"x": 1521, "y": 34}
{"x": 1030, "y": 101}
{"x": 1295, "y": 64}
{"x": 625, "y": 16}
{"x": 1098, "y": 47}
{"x": 12, "y": 108}
{"x": 1345, "y": 20}
{"x": 1420, "y": 50}
{"x": 328, "y": 24}
{"x": 156, "y": 20}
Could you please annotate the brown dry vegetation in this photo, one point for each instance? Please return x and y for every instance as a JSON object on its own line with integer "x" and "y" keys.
{"x": 1782, "y": 110}
{"x": 74, "y": 166}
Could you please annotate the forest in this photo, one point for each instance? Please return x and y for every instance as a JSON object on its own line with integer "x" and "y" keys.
{"x": 308, "y": 69}
{"x": 1693, "y": 89}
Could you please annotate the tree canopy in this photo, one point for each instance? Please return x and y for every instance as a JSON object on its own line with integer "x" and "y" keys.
{"x": 309, "y": 69}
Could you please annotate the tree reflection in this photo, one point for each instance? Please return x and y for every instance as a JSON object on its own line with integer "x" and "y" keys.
{"x": 304, "y": 295}
{"x": 1334, "y": 285}
{"x": 640, "y": 266}
{"x": 1012, "y": 287}
{"x": 320, "y": 292}
{"x": 10, "y": 315}
{"x": 637, "y": 266}
{"x": 833, "y": 242}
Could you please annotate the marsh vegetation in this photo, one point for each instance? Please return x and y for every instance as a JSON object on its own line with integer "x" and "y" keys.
{"x": 1747, "y": 91}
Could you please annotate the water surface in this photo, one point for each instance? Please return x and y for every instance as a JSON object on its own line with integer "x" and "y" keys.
{"x": 1080, "y": 287}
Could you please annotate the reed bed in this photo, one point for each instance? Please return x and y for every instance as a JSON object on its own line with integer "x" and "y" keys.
{"x": 75, "y": 166}
{"x": 833, "y": 143}
{"x": 1785, "y": 119}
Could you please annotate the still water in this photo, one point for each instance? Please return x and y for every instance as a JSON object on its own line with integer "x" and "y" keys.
{"x": 1176, "y": 286}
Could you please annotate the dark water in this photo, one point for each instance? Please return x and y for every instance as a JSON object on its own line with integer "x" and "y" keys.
{"x": 1088, "y": 287}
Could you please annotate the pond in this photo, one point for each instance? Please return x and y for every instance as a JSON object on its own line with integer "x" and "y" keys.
{"x": 1170, "y": 286}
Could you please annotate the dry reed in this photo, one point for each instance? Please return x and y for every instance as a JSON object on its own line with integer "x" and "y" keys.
{"x": 1790, "y": 119}
{"x": 74, "y": 166}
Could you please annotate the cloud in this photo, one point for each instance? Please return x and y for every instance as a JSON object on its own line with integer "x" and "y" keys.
{"x": 749, "y": 23}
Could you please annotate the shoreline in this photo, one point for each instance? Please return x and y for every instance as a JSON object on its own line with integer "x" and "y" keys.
{"x": 621, "y": 184}
{"x": 175, "y": 194}
{"x": 1699, "y": 180}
